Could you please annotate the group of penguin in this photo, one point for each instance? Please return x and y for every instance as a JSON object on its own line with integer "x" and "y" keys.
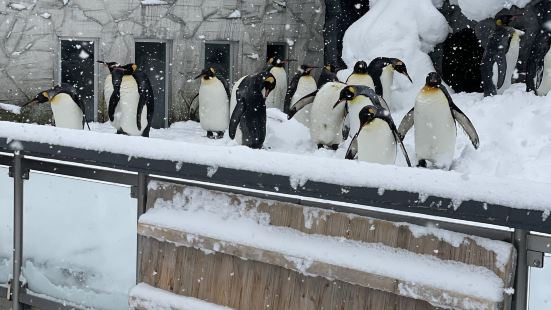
{"x": 130, "y": 99}
{"x": 359, "y": 108}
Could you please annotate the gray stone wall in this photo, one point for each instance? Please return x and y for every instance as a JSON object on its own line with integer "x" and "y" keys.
{"x": 30, "y": 32}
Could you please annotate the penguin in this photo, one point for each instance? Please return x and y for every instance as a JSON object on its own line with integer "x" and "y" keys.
{"x": 249, "y": 113}
{"x": 302, "y": 84}
{"x": 376, "y": 140}
{"x": 328, "y": 74}
{"x": 435, "y": 116}
{"x": 325, "y": 120}
{"x": 68, "y": 109}
{"x": 130, "y": 96}
{"x": 214, "y": 103}
{"x": 500, "y": 56}
{"x": 276, "y": 67}
{"x": 357, "y": 97}
{"x": 538, "y": 78}
{"x": 381, "y": 70}
{"x": 360, "y": 75}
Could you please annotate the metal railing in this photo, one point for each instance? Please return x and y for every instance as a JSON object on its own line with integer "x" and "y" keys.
{"x": 137, "y": 171}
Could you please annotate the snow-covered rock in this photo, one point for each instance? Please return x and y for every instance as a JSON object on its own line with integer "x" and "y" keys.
{"x": 479, "y": 10}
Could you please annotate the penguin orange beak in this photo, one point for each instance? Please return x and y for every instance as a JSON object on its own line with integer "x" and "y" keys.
{"x": 265, "y": 93}
{"x": 407, "y": 75}
{"x": 338, "y": 102}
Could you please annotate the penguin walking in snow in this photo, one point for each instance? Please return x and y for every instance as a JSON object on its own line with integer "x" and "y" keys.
{"x": 325, "y": 120}
{"x": 328, "y": 74}
{"x": 381, "y": 70}
{"x": 376, "y": 140}
{"x": 500, "y": 56}
{"x": 130, "y": 96}
{"x": 434, "y": 116}
{"x": 68, "y": 109}
{"x": 249, "y": 113}
{"x": 357, "y": 97}
{"x": 538, "y": 78}
{"x": 302, "y": 84}
{"x": 276, "y": 67}
{"x": 214, "y": 103}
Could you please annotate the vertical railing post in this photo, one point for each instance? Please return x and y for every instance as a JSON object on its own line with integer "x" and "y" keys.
{"x": 17, "y": 228}
{"x": 141, "y": 195}
{"x": 520, "y": 299}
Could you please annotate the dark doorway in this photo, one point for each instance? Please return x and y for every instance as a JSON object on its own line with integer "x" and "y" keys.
{"x": 151, "y": 58}
{"x": 276, "y": 49}
{"x": 218, "y": 56}
{"x": 462, "y": 55}
{"x": 77, "y": 69}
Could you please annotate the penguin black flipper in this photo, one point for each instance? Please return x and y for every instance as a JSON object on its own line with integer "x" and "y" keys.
{"x": 226, "y": 86}
{"x": 406, "y": 124}
{"x": 116, "y": 80}
{"x": 494, "y": 55}
{"x": 290, "y": 92}
{"x": 462, "y": 119}
{"x": 146, "y": 98}
{"x": 388, "y": 119}
{"x": 352, "y": 151}
{"x": 299, "y": 105}
{"x": 236, "y": 114}
{"x": 536, "y": 61}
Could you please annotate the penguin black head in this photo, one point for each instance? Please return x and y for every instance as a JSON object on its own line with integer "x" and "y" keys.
{"x": 306, "y": 69}
{"x": 400, "y": 66}
{"x": 207, "y": 74}
{"x": 505, "y": 19}
{"x": 433, "y": 79}
{"x": 39, "y": 98}
{"x": 277, "y": 62}
{"x": 348, "y": 93}
{"x": 360, "y": 67}
{"x": 368, "y": 114}
{"x": 330, "y": 68}
{"x": 268, "y": 83}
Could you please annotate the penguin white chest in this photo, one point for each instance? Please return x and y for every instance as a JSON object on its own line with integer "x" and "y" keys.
{"x": 387, "y": 78}
{"x": 511, "y": 57}
{"x": 361, "y": 79}
{"x": 214, "y": 108}
{"x": 545, "y": 85}
{"x": 67, "y": 114}
{"x": 306, "y": 85}
{"x": 435, "y": 131}
{"x": 354, "y": 108}
{"x": 326, "y": 121}
{"x": 276, "y": 98}
{"x": 376, "y": 143}
{"x": 127, "y": 108}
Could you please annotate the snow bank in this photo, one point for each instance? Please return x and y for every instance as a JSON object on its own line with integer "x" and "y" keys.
{"x": 478, "y": 10}
{"x": 196, "y": 212}
{"x": 299, "y": 169}
{"x": 149, "y": 297}
{"x": 403, "y": 29}
{"x": 12, "y": 108}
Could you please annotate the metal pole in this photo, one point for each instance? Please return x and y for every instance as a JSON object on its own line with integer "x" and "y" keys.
{"x": 142, "y": 201}
{"x": 520, "y": 299}
{"x": 17, "y": 229}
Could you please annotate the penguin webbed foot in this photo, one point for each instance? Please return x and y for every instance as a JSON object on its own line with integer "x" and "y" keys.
{"x": 219, "y": 134}
{"x": 422, "y": 163}
{"x": 334, "y": 147}
{"x": 321, "y": 146}
{"x": 121, "y": 132}
{"x": 210, "y": 135}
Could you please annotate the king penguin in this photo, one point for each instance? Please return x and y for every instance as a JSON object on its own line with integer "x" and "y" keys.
{"x": 302, "y": 84}
{"x": 249, "y": 113}
{"x": 360, "y": 75}
{"x": 434, "y": 116}
{"x": 276, "y": 67}
{"x": 381, "y": 70}
{"x": 500, "y": 56}
{"x": 325, "y": 120}
{"x": 328, "y": 74}
{"x": 214, "y": 103}
{"x": 130, "y": 96}
{"x": 68, "y": 109}
{"x": 376, "y": 140}
{"x": 538, "y": 78}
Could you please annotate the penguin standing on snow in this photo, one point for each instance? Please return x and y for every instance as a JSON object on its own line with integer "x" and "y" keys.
{"x": 276, "y": 67}
{"x": 500, "y": 56}
{"x": 434, "y": 116}
{"x": 538, "y": 78}
{"x": 376, "y": 140}
{"x": 357, "y": 97}
{"x": 214, "y": 103}
{"x": 68, "y": 109}
{"x": 325, "y": 120}
{"x": 381, "y": 70}
{"x": 249, "y": 113}
{"x": 302, "y": 84}
{"x": 328, "y": 74}
{"x": 130, "y": 96}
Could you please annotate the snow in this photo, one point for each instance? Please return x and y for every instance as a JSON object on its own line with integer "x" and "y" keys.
{"x": 148, "y": 297}
{"x": 235, "y": 14}
{"x": 478, "y": 10}
{"x": 200, "y": 214}
{"x": 403, "y": 29}
{"x": 46, "y": 15}
{"x": 153, "y": 2}
{"x": 12, "y": 108}
{"x": 17, "y": 6}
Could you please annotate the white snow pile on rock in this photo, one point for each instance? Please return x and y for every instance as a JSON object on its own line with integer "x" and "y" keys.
{"x": 482, "y": 9}
{"x": 12, "y": 108}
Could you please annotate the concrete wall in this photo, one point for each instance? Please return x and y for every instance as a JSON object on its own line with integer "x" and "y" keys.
{"x": 30, "y": 32}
